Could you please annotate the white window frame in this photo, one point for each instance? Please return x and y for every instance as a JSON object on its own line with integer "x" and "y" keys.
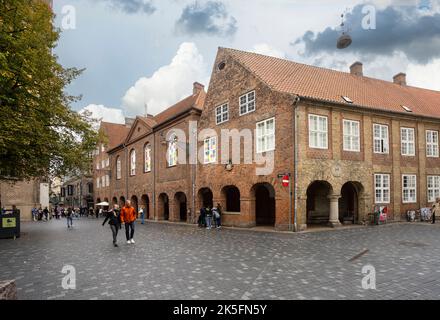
{"x": 102, "y": 147}
{"x": 384, "y": 142}
{"x": 433, "y": 187}
{"x": 410, "y": 188}
{"x": 222, "y": 112}
{"x": 103, "y": 182}
{"x": 107, "y": 162}
{"x": 118, "y": 168}
{"x": 353, "y": 138}
{"x": 406, "y": 143}
{"x": 264, "y": 135}
{"x": 385, "y": 190}
{"x": 320, "y": 132}
{"x": 247, "y": 103}
{"x": 172, "y": 146}
{"x": 432, "y": 144}
{"x": 98, "y": 180}
{"x": 133, "y": 162}
{"x": 107, "y": 180}
{"x": 147, "y": 164}
{"x": 210, "y": 152}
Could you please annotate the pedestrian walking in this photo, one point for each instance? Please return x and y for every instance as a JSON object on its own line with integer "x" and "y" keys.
{"x": 128, "y": 217}
{"x": 435, "y": 209}
{"x": 113, "y": 218}
{"x": 69, "y": 217}
{"x": 208, "y": 218}
{"x": 46, "y": 213}
{"x": 142, "y": 214}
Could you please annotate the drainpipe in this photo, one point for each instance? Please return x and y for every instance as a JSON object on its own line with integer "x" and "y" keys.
{"x": 295, "y": 162}
{"x": 154, "y": 176}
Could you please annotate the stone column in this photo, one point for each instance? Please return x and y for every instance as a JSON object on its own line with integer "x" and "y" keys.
{"x": 334, "y": 210}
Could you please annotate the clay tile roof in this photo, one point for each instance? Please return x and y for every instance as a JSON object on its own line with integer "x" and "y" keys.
{"x": 149, "y": 121}
{"x": 116, "y": 133}
{"x": 195, "y": 101}
{"x": 330, "y": 85}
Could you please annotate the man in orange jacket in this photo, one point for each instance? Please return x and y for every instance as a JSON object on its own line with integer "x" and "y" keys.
{"x": 128, "y": 217}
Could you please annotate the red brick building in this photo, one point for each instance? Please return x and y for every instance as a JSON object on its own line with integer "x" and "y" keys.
{"x": 348, "y": 141}
{"x": 143, "y": 169}
{"x": 352, "y": 142}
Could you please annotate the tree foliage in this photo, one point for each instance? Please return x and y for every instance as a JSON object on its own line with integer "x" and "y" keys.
{"x": 40, "y": 135}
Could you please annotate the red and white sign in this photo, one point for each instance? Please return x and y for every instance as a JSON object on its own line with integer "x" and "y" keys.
{"x": 286, "y": 181}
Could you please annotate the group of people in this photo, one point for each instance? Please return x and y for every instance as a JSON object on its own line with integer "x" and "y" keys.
{"x": 40, "y": 214}
{"x": 117, "y": 217}
{"x": 210, "y": 217}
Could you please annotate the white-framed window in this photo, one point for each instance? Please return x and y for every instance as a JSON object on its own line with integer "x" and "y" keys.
{"x": 98, "y": 183}
{"x": 247, "y": 103}
{"x": 97, "y": 166}
{"x": 172, "y": 151}
{"x": 407, "y": 138}
{"x": 133, "y": 162}
{"x": 318, "y": 131}
{"x": 103, "y": 182}
{"x": 352, "y": 140}
{"x": 380, "y": 138}
{"x": 433, "y": 188}
{"x": 103, "y": 164}
{"x": 102, "y": 147}
{"x": 118, "y": 168}
{"x": 266, "y": 135}
{"x": 432, "y": 143}
{"x": 107, "y": 162}
{"x": 222, "y": 113}
{"x": 409, "y": 188}
{"x": 382, "y": 188}
{"x": 210, "y": 150}
{"x": 147, "y": 158}
{"x": 107, "y": 180}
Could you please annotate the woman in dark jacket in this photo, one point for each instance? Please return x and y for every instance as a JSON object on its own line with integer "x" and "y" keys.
{"x": 112, "y": 216}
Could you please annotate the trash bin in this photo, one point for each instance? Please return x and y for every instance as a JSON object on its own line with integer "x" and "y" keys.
{"x": 10, "y": 225}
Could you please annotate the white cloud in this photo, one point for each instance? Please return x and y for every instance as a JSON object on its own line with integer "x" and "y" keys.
{"x": 100, "y": 112}
{"x": 268, "y": 50}
{"x": 168, "y": 84}
{"x": 424, "y": 76}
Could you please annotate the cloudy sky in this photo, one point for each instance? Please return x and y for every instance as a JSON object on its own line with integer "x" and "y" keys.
{"x": 151, "y": 51}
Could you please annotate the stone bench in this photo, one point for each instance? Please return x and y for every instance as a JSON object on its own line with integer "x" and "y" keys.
{"x": 8, "y": 290}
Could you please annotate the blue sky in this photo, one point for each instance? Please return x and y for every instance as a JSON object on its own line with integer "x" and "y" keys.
{"x": 137, "y": 51}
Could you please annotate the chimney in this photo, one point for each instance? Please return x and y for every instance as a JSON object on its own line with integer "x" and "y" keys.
{"x": 197, "y": 88}
{"x": 400, "y": 79}
{"x": 357, "y": 69}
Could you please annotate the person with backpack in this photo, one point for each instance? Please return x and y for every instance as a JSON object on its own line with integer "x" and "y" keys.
{"x": 216, "y": 213}
{"x": 69, "y": 218}
{"x": 128, "y": 217}
{"x": 113, "y": 218}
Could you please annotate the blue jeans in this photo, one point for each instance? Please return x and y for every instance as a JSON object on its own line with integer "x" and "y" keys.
{"x": 208, "y": 221}
{"x": 129, "y": 230}
{"x": 69, "y": 221}
{"x": 143, "y": 218}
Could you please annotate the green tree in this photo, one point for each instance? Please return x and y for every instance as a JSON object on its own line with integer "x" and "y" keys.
{"x": 40, "y": 135}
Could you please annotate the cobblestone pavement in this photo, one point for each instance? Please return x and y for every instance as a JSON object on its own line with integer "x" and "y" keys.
{"x": 184, "y": 262}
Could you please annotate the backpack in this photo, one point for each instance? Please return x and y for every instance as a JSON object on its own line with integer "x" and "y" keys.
{"x": 215, "y": 213}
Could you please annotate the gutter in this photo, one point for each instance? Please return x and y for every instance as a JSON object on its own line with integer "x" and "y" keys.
{"x": 295, "y": 121}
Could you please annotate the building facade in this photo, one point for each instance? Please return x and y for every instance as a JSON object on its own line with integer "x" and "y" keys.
{"x": 349, "y": 143}
{"x": 151, "y": 166}
{"x": 77, "y": 192}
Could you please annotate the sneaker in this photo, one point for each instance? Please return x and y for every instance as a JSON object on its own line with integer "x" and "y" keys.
{"x": 132, "y": 241}
{"x": 128, "y": 242}
{"x": 115, "y": 245}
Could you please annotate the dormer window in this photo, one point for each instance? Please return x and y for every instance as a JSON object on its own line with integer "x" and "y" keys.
{"x": 347, "y": 99}
{"x": 407, "y": 109}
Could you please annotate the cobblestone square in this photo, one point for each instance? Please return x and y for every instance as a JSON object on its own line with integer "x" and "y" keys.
{"x": 183, "y": 262}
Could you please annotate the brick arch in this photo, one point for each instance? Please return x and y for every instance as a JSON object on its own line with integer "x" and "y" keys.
{"x": 317, "y": 203}
{"x": 231, "y": 198}
{"x": 263, "y": 199}
{"x": 163, "y": 207}
{"x": 180, "y": 207}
